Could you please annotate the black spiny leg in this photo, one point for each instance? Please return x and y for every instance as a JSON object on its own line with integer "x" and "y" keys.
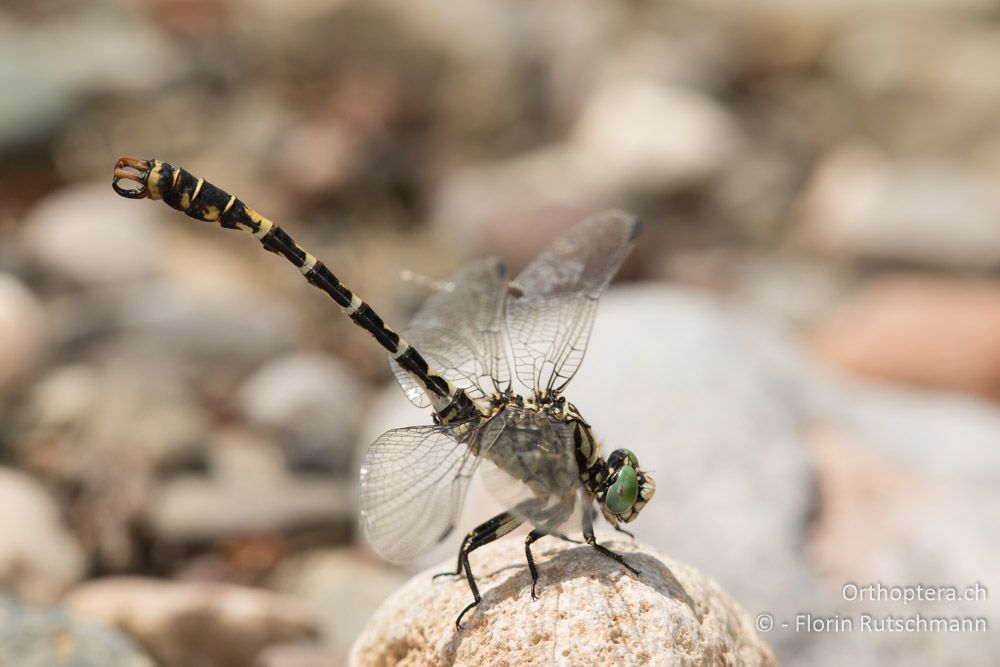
{"x": 532, "y": 537}
{"x": 588, "y": 535}
{"x": 622, "y": 530}
{"x": 458, "y": 565}
{"x": 485, "y": 533}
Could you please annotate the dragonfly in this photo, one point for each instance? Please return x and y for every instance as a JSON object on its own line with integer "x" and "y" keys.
{"x": 460, "y": 357}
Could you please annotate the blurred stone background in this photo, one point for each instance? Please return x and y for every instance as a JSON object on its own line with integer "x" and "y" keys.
{"x": 805, "y": 345}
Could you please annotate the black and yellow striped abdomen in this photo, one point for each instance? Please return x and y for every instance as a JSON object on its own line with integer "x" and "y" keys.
{"x": 199, "y": 199}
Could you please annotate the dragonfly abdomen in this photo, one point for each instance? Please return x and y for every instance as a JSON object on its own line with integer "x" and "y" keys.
{"x": 201, "y": 200}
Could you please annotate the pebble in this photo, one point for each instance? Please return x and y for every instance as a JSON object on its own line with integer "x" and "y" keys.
{"x": 926, "y": 330}
{"x": 22, "y": 333}
{"x": 860, "y": 203}
{"x": 590, "y": 611}
{"x": 311, "y": 401}
{"x": 649, "y": 137}
{"x": 325, "y": 579}
{"x": 39, "y": 557}
{"x": 89, "y": 235}
{"x": 43, "y": 637}
{"x": 42, "y": 103}
{"x": 193, "y": 623}
{"x": 228, "y": 501}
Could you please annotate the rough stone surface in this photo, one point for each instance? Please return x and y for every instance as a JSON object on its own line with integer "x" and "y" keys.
{"x": 193, "y": 623}
{"x": 33, "y": 637}
{"x": 589, "y": 611}
{"x": 39, "y": 558}
{"x": 931, "y": 331}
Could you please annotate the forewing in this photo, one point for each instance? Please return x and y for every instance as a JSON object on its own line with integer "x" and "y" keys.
{"x": 458, "y": 331}
{"x": 550, "y": 306}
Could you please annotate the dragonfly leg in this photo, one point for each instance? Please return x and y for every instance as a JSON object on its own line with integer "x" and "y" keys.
{"x": 532, "y": 537}
{"x": 588, "y": 535}
{"x": 458, "y": 565}
{"x": 622, "y": 530}
{"x": 485, "y": 533}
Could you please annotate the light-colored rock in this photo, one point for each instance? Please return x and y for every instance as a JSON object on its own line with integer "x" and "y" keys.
{"x": 646, "y": 136}
{"x": 299, "y": 655}
{"x": 33, "y": 637}
{"x": 590, "y": 611}
{"x": 312, "y": 401}
{"x": 88, "y": 234}
{"x": 924, "y": 330}
{"x": 326, "y": 579}
{"x": 193, "y": 623}
{"x": 39, "y": 558}
{"x": 22, "y": 334}
{"x": 229, "y": 502}
{"x": 861, "y": 204}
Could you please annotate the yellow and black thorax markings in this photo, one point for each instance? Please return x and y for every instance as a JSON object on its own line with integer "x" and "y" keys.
{"x": 201, "y": 200}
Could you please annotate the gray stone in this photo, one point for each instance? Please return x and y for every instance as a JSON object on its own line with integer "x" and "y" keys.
{"x": 34, "y": 637}
{"x": 229, "y": 501}
{"x": 327, "y": 580}
{"x": 89, "y": 235}
{"x": 22, "y": 333}
{"x": 590, "y": 611}
{"x": 42, "y": 102}
{"x": 39, "y": 558}
{"x": 192, "y": 623}
{"x": 311, "y": 401}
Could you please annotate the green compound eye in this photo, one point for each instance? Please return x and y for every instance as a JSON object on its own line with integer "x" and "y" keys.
{"x": 622, "y": 494}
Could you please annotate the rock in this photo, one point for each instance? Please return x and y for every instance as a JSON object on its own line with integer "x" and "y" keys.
{"x": 861, "y": 204}
{"x": 924, "y": 330}
{"x": 325, "y": 579}
{"x": 42, "y": 103}
{"x": 88, "y": 234}
{"x": 39, "y": 558}
{"x": 31, "y": 637}
{"x": 632, "y": 138}
{"x": 205, "y": 328}
{"x": 191, "y": 623}
{"x": 648, "y": 137}
{"x": 229, "y": 502}
{"x": 22, "y": 336}
{"x": 299, "y": 655}
{"x": 906, "y": 493}
{"x": 590, "y": 610}
{"x": 312, "y": 402}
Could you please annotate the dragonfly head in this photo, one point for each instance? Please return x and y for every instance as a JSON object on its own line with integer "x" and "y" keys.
{"x": 627, "y": 489}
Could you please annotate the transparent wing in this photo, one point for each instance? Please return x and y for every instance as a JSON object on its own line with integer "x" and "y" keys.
{"x": 413, "y": 484}
{"x": 459, "y": 332}
{"x": 532, "y": 470}
{"x": 550, "y": 307}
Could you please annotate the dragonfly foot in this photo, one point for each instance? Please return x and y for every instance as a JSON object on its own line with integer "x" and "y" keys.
{"x": 458, "y": 621}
